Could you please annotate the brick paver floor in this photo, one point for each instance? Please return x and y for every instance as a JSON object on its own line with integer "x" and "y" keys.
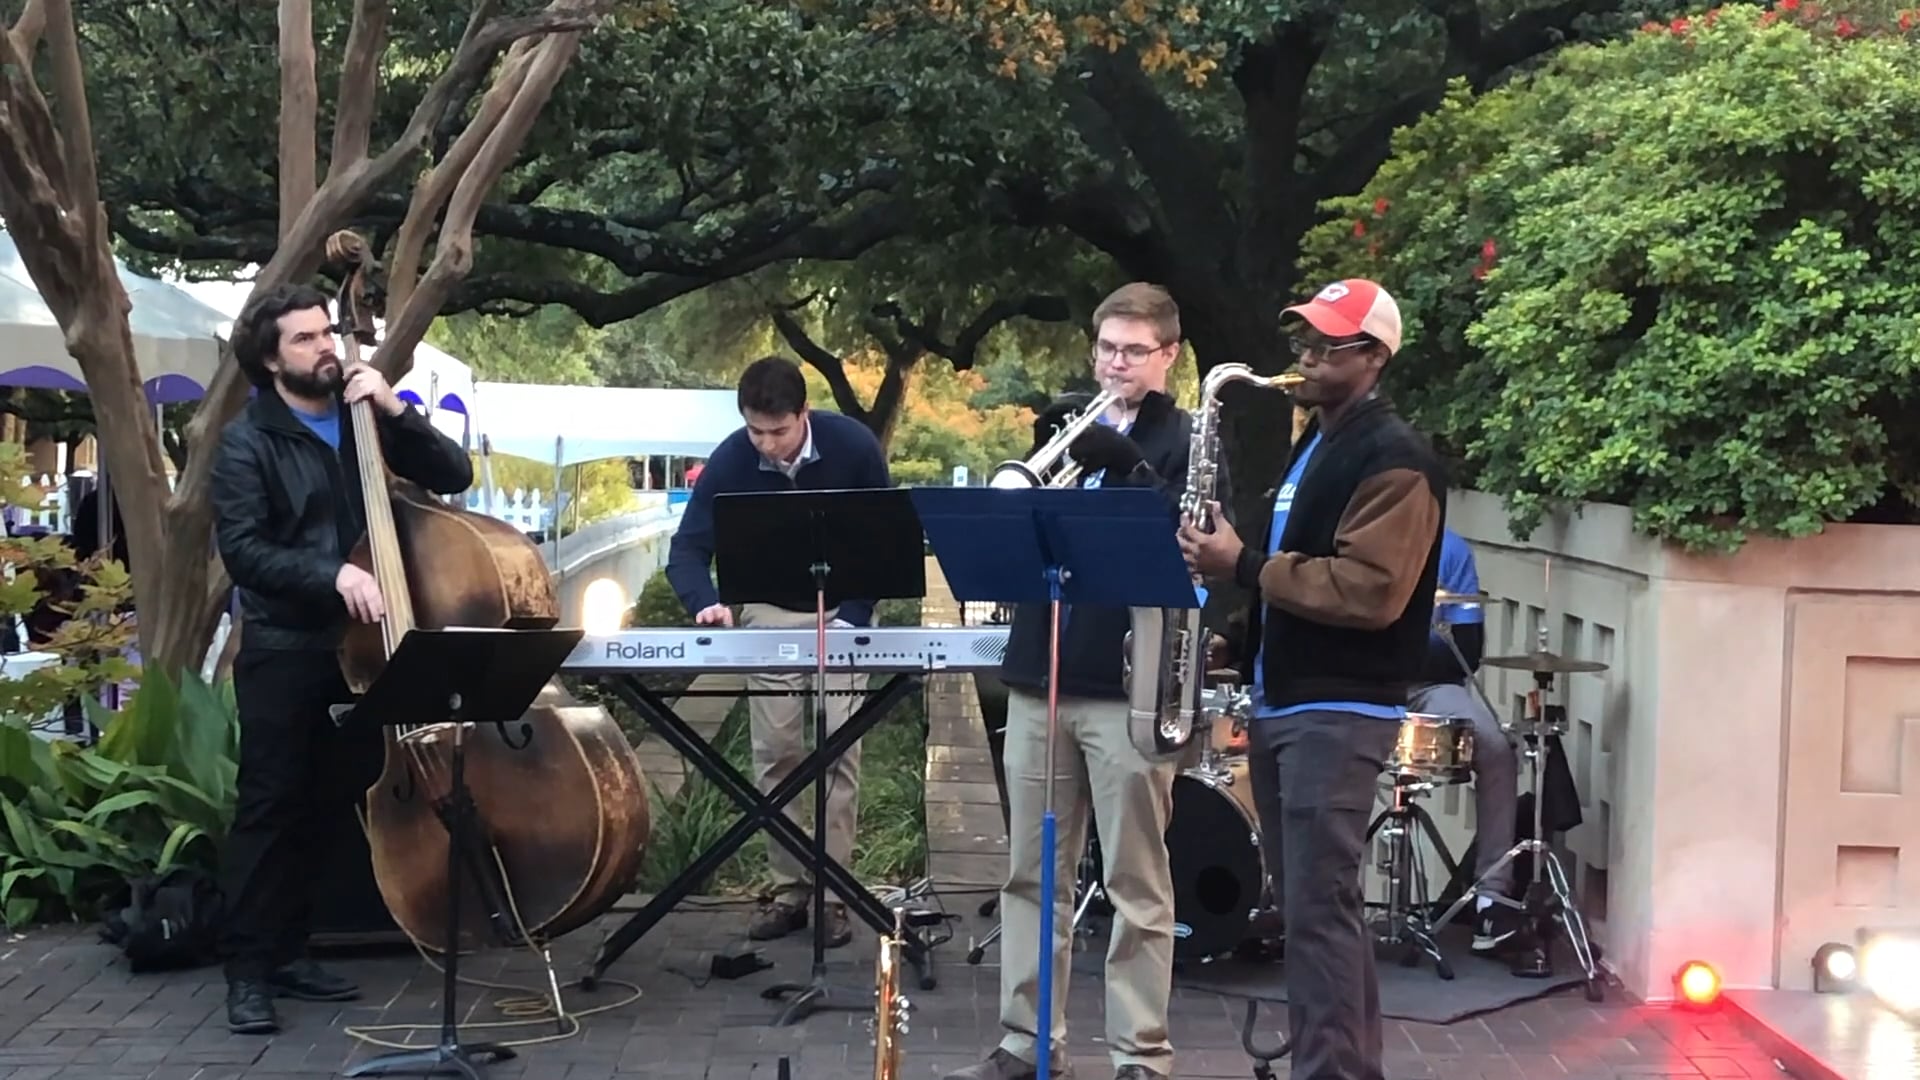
{"x": 69, "y": 1009}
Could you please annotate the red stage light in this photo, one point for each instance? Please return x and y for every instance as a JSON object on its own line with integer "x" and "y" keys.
{"x": 1697, "y": 984}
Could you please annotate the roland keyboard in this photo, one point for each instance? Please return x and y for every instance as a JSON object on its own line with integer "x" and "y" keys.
{"x": 772, "y": 651}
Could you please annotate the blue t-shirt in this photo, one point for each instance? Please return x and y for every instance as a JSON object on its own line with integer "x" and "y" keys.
{"x": 1282, "y": 506}
{"x": 326, "y": 425}
{"x": 1457, "y": 575}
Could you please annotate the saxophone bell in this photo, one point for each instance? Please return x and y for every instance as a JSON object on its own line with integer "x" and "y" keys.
{"x": 889, "y": 1008}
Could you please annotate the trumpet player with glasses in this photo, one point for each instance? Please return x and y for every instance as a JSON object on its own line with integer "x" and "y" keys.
{"x": 1135, "y": 437}
{"x": 1342, "y": 588}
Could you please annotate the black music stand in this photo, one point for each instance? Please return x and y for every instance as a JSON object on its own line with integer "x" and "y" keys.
{"x": 1112, "y": 547}
{"x": 457, "y": 676}
{"x": 818, "y": 549}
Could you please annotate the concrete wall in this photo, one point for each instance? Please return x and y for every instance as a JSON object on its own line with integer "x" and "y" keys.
{"x": 1749, "y": 765}
{"x": 629, "y": 549}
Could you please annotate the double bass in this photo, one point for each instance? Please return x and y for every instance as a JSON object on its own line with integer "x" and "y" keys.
{"x": 560, "y": 803}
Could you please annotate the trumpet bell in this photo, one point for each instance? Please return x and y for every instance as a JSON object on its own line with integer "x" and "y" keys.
{"x": 1014, "y": 476}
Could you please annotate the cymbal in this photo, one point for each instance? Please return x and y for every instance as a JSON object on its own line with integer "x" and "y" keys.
{"x": 1544, "y": 661}
{"x": 1442, "y": 596}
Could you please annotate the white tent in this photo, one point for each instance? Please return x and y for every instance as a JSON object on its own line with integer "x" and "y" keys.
{"x": 569, "y": 425}
{"x": 437, "y": 382}
{"x": 175, "y": 338}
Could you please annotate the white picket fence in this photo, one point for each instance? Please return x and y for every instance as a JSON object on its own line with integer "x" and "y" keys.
{"x": 53, "y": 512}
{"x": 530, "y": 511}
{"x": 524, "y": 510}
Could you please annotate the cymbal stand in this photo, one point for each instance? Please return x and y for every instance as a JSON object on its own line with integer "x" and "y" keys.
{"x": 1549, "y": 900}
{"x": 1089, "y": 887}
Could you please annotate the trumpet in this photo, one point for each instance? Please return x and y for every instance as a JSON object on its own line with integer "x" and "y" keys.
{"x": 1051, "y": 466}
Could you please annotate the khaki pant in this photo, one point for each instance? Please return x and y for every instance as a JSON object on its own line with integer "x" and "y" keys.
{"x": 781, "y": 725}
{"x": 1095, "y": 768}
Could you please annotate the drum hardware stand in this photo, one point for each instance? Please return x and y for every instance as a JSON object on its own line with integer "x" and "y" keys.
{"x": 1408, "y": 923}
{"x": 1088, "y": 886}
{"x": 1549, "y": 898}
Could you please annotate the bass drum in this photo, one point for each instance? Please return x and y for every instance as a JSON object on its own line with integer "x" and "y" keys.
{"x": 1219, "y": 876}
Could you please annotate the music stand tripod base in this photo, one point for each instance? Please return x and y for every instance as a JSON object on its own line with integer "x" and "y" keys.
{"x": 461, "y": 677}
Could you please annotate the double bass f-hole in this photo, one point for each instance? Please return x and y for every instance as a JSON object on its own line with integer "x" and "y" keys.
{"x": 505, "y": 730}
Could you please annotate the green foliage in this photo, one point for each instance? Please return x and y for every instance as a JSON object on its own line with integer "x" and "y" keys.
{"x": 96, "y": 596}
{"x": 157, "y": 790}
{"x": 1669, "y": 273}
{"x": 657, "y": 605}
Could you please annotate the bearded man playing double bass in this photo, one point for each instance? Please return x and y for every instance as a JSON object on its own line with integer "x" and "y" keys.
{"x": 287, "y": 512}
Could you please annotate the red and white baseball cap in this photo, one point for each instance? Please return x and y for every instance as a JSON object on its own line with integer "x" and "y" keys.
{"x": 1353, "y": 306}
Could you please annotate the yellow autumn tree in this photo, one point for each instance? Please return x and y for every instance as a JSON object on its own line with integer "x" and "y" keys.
{"x": 938, "y": 427}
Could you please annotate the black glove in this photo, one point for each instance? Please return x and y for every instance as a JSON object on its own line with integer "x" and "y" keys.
{"x": 1101, "y": 447}
{"x": 1055, "y": 417}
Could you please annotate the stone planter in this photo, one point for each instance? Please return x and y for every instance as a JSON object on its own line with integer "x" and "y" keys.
{"x": 1749, "y": 766}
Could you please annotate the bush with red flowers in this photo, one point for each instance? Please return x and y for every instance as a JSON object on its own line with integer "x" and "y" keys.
{"x": 1674, "y": 272}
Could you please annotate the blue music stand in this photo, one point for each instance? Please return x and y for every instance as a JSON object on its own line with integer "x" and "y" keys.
{"x": 1107, "y": 546}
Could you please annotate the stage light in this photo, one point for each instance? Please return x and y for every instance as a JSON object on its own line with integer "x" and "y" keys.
{"x": 1890, "y": 969}
{"x": 603, "y": 607}
{"x": 1835, "y": 967}
{"x": 1697, "y": 984}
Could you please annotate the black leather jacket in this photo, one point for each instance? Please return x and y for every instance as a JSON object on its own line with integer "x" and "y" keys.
{"x": 288, "y": 511}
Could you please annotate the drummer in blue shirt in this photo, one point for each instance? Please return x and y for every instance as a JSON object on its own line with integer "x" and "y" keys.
{"x": 1445, "y": 692}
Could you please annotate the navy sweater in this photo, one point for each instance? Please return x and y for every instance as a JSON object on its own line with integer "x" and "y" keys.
{"x": 846, "y": 455}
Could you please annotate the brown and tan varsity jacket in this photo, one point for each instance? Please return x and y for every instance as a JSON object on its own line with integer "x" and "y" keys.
{"x": 1344, "y": 607}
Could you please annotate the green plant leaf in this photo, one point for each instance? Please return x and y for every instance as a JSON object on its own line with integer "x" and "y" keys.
{"x": 177, "y": 841}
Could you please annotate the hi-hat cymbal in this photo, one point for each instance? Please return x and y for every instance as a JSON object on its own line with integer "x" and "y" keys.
{"x": 1442, "y": 596}
{"x": 1544, "y": 661}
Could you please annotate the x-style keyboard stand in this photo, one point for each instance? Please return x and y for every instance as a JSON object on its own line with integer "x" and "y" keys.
{"x": 761, "y": 812}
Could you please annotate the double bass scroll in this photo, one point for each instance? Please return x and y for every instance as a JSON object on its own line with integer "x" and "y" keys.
{"x": 559, "y": 801}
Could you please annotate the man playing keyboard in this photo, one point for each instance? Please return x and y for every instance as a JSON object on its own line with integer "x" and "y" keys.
{"x": 784, "y": 446}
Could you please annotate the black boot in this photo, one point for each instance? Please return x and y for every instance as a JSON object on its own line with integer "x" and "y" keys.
{"x": 250, "y": 1008}
{"x": 308, "y": 981}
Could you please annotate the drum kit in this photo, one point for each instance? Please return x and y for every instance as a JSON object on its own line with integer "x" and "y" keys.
{"x": 1221, "y": 888}
{"x": 1548, "y": 904}
{"x": 1220, "y": 880}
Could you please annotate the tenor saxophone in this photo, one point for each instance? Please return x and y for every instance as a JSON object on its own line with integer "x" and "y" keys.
{"x": 889, "y": 1008}
{"x": 1164, "y": 667}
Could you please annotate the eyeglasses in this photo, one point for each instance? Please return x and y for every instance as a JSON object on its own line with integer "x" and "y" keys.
{"x": 1303, "y": 347}
{"x": 1133, "y": 354}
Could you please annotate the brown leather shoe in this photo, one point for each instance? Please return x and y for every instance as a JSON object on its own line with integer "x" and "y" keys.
{"x": 839, "y": 927}
{"x": 776, "y": 919}
{"x": 1001, "y": 1065}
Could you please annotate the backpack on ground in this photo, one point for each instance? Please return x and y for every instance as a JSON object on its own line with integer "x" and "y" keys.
{"x": 169, "y": 921}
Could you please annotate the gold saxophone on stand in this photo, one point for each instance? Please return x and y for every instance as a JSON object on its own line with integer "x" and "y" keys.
{"x": 1165, "y": 666}
{"x": 889, "y": 1008}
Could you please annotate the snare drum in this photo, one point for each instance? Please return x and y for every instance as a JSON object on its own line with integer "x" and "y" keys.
{"x": 1219, "y": 876}
{"x": 1434, "y": 748}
